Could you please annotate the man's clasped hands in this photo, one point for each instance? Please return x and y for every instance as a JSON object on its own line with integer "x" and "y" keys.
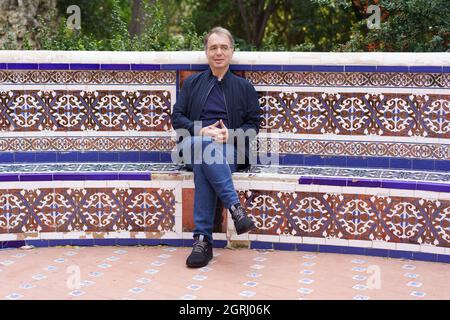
{"x": 217, "y": 131}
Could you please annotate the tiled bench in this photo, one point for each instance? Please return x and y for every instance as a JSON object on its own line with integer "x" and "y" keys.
{"x": 363, "y": 139}
{"x": 326, "y": 209}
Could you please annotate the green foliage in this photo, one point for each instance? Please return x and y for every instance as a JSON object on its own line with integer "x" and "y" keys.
{"x": 295, "y": 25}
{"x": 113, "y": 32}
{"x": 406, "y": 26}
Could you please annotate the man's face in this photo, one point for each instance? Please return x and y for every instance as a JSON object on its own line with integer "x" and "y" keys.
{"x": 219, "y": 51}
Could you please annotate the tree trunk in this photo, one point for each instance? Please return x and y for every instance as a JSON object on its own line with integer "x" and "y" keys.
{"x": 258, "y": 14}
{"x": 136, "y": 25}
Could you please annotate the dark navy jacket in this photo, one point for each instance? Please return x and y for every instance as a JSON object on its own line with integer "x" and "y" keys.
{"x": 241, "y": 101}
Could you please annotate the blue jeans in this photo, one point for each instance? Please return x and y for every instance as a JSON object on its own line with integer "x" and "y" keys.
{"x": 212, "y": 179}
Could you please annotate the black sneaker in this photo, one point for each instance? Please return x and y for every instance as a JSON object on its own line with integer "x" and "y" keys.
{"x": 201, "y": 253}
{"x": 242, "y": 223}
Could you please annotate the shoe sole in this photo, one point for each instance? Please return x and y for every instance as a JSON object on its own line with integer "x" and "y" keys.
{"x": 247, "y": 229}
{"x": 198, "y": 265}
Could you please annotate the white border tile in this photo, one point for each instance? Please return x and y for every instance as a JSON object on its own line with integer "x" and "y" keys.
{"x": 360, "y": 243}
{"x": 290, "y": 239}
{"x": 9, "y": 237}
{"x": 407, "y": 247}
{"x": 267, "y": 238}
{"x": 432, "y": 249}
{"x": 337, "y": 242}
{"x": 383, "y": 245}
{"x": 313, "y": 240}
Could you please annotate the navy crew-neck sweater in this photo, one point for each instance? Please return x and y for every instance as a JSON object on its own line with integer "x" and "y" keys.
{"x": 215, "y": 108}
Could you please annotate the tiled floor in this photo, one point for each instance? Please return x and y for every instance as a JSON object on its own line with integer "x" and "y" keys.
{"x": 160, "y": 273}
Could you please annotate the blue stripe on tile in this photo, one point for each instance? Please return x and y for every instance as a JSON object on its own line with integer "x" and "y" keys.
{"x": 12, "y": 244}
{"x": 364, "y": 183}
{"x": 357, "y": 162}
{"x": 36, "y": 177}
{"x": 377, "y": 252}
{"x": 82, "y": 242}
{"x": 3, "y": 66}
{"x": 335, "y": 161}
{"x": 328, "y": 68}
{"x": 446, "y": 69}
{"x": 443, "y": 258}
{"x": 360, "y": 68}
{"x": 105, "y": 242}
{"x": 151, "y": 242}
{"x": 241, "y": 67}
{"x": 401, "y": 254}
{"x": 266, "y": 67}
{"x": 419, "y": 164}
{"x": 59, "y": 242}
{"x": 145, "y": 156}
{"x": 84, "y": 66}
{"x": 71, "y": 156}
{"x": 297, "y": 67}
{"x": 68, "y": 177}
{"x": 219, "y": 243}
{"x": 23, "y": 66}
{"x": 127, "y": 242}
{"x": 313, "y": 160}
{"x": 108, "y": 156}
{"x": 46, "y": 156}
{"x": 330, "y": 181}
{"x": 89, "y": 156}
{"x": 145, "y": 67}
{"x": 395, "y": 184}
{"x": 307, "y": 247}
{"x": 392, "y": 69}
{"x": 170, "y": 66}
{"x": 292, "y": 159}
{"x": 261, "y": 245}
{"x": 424, "y": 256}
{"x": 171, "y": 242}
{"x": 330, "y": 249}
{"x": 442, "y": 165}
{"x": 188, "y": 242}
{"x": 428, "y": 69}
{"x": 135, "y": 176}
{"x": 101, "y": 176}
{"x": 398, "y": 163}
{"x": 24, "y": 157}
{"x": 131, "y": 156}
{"x": 9, "y": 177}
{"x": 353, "y": 250}
{"x": 377, "y": 162}
{"x": 165, "y": 157}
{"x": 6, "y": 157}
{"x": 306, "y": 180}
{"x": 199, "y": 67}
{"x": 115, "y": 66}
{"x": 54, "y": 66}
{"x": 37, "y": 243}
{"x": 284, "y": 246}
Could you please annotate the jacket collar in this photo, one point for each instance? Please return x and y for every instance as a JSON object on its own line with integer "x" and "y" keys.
{"x": 226, "y": 76}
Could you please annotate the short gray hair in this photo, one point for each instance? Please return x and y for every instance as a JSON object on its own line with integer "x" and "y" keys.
{"x": 218, "y": 30}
